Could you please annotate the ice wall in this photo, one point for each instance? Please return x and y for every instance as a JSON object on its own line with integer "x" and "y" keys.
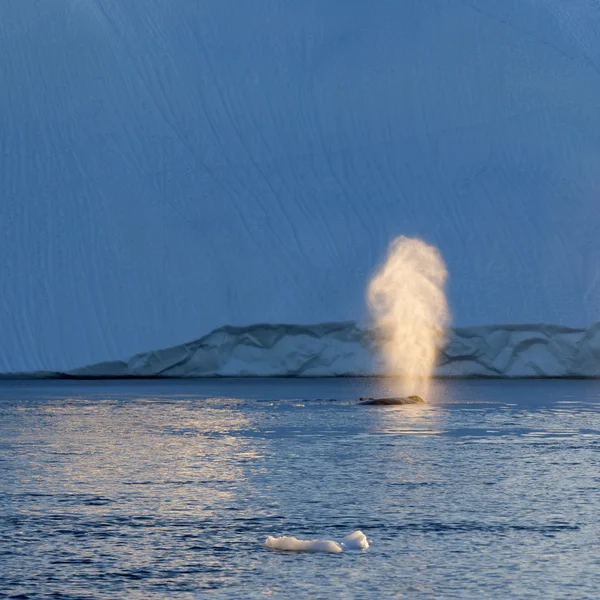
{"x": 168, "y": 167}
{"x": 343, "y": 349}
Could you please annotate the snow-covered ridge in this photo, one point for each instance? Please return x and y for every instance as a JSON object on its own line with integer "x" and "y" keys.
{"x": 344, "y": 349}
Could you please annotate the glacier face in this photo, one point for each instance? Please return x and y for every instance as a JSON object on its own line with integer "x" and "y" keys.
{"x": 345, "y": 350}
{"x": 170, "y": 167}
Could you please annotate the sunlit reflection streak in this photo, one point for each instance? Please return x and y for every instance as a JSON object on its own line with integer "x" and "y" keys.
{"x": 202, "y": 460}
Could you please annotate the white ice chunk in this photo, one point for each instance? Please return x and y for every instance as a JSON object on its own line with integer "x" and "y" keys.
{"x": 354, "y": 541}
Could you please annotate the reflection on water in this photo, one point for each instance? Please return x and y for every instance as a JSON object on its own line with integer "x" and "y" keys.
{"x": 418, "y": 419}
{"x": 168, "y": 489}
{"x": 174, "y": 444}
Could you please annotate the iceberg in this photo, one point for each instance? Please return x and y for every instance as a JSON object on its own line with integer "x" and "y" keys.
{"x": 169, "y": 168}
{"x": 346, "y": 350}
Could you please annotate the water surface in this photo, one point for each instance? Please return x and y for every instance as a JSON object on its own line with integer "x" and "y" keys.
{"x": 169, "y": 488}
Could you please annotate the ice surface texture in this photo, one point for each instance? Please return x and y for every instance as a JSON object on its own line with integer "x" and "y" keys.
{"x": 354, "y": 541}
{"x": 171, "y": 167}
{"x": 343, "y": 349}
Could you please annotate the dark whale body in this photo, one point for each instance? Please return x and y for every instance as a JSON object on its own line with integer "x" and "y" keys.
{"x": 392, "y": 401}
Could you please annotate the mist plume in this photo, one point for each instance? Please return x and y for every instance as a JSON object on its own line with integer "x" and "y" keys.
{"x": 408, "y": 304}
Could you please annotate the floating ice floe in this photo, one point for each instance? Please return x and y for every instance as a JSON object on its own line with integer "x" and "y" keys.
{"x": 354, "y": 541}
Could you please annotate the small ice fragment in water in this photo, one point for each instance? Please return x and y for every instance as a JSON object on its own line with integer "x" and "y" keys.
{"x": 293, "y": 544}
{"x": 354, "y": 541}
